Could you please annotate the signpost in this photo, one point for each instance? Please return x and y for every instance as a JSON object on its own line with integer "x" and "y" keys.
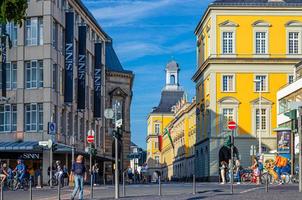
{"x": 90, "y": 140}
{"x": 232, "y": 126}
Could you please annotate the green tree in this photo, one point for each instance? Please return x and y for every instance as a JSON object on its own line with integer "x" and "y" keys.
{"x": 10, "y": 11}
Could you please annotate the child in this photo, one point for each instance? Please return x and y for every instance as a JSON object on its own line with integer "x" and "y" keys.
{"x": 256, "y": 172}
{"x": 223, "y": 169}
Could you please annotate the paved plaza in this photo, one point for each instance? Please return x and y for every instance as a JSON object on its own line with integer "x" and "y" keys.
{"x": 179, "y": 191}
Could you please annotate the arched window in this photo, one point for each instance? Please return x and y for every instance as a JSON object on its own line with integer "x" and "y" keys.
{"x": 172, "y": 80}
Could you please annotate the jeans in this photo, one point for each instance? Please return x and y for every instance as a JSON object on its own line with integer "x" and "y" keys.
{"x": 278, "y": 171}
{"x": 79, "y": 185}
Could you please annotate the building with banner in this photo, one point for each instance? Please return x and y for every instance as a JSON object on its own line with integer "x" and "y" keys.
{"x": 61, "y": 72}
{"x": 246, "y": 51}
{"x": 161, "y": 116}
{"x": 177, "y": 143}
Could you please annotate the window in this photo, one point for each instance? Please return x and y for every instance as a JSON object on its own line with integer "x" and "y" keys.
{"x": 227, "y": 42}
{"x": 55, "y": 34}
{"x": 293, "y": 42}
{"x": 157, "y": 159}
{"x": 172, "y": 80}
{"x": 11, "y": 76}
{"x": 34, "y": 117}
{"x": 261, "y": 42}
{"x": 261, "y": 119}
{"x": 156, "y": 145}
{"x": 8, "y": 118}
{"x": 34, "y": 31}
{"x": 227, "y": 116}
{"x": 34, "y": 74}
{"x": 262, "y": 84}
{"x": 55, "y": 77}
{"x": 290, "y": 79}
{"x": 228, "y": 83}
{"x": 11, "y": 29}
{"x": 157, "y": 129}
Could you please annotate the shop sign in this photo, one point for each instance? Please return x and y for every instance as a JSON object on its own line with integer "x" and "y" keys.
{"x": 34, "y": 156}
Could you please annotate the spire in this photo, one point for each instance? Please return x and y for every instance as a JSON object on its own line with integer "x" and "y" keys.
{"x": 172, "y": 75}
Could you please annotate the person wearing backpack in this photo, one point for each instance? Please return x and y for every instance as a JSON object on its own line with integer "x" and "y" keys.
{"x": 78, "y": 170}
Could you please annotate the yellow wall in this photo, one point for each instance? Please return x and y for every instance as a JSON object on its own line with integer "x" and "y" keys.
{"x": 245, "y": 35}
{"x": 244, "y": 93}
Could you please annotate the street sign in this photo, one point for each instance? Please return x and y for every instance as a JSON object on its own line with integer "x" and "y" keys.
{"x": 90, "y": 132}
{"x": 119, "y": 123}
{"x": 90, "y": 138}
{"x": 51, "y": 128}
{"x": 232, "y": 125}
{"x": 43, "y": 143}
{"x": 49, "y": 144}
{"x": 108, "y": 113}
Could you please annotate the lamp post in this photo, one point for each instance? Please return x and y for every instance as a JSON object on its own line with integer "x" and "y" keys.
{"x": 259, "y": 128}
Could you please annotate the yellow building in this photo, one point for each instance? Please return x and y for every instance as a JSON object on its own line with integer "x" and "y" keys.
{"x": 177, "y": 160}
{"x": 162, "y": 115}
{"x": 245, "y": 49}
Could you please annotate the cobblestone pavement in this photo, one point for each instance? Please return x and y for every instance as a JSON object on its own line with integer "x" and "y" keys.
{"x": 179, "y": 191}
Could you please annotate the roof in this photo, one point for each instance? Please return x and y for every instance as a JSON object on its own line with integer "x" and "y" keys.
{"x": 112, "y": 61}
{"x": 168, "y": 100}
{"x": 172, "y": 65}
{"x": 89, "y": 14}
{"x": 270, "y": 3}
{"x": 18, "y": 146}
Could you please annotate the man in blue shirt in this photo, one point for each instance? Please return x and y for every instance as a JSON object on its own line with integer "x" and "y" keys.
{"x": 21, "y": 170}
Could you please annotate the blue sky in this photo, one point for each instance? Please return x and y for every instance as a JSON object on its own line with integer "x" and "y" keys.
{"x": 146, "y": 35}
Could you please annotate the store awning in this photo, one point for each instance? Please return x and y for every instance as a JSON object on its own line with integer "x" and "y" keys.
{"x": 18, "y": 146}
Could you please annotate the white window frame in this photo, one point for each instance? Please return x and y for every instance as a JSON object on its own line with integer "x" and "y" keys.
{"x": 11, "y": 75}
{"x": 36, "y": 113}
{"x": 228, "y": 26}
{"x": 261, "y": 26}
{"x": 39, "y": 80}
{"x": 297, "y": 29}
{"x": 10, "y": 126}
{"x": 156, "y": 125}
{"x": 34, "y": 29}
{"x": 266, "y": 83}
{"x": 228, "y": 103}
{"x": 233, "y": 42}
{"x": 288, "y": 78}
{"x": 268, "y": 109}
{"x": 234, "y": 83}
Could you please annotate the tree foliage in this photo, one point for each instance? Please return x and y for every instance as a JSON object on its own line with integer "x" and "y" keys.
{"x": 12, "y": 11}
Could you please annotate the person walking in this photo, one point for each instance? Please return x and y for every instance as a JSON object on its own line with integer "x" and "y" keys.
{"x": 95, "y": 173}
{"x": 78, "y": 170}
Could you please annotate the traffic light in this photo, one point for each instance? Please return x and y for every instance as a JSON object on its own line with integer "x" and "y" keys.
{"x": 55, "y": 147}
{"x": 93, "y": 152}
{"x": 117, "y": 133}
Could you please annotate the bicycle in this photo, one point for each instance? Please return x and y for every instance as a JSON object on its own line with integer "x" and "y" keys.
{"x": 15, "y": 183}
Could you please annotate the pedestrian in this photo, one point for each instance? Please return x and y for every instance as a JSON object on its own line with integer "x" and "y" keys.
{"x": 95, "y": 172}
{"x": 3, "y": 173}
{"x": 256, "y": 173}
{"x": 65, "y": 175}
{"x": 79, "y": 171}
{"x": 238, "y": 169}
{"x": 223, "y": 170}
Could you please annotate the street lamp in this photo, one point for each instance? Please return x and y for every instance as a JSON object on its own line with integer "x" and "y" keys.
{"x": 259, "y": 129}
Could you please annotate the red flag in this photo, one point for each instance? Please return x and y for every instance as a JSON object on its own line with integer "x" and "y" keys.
{"x": 160, "y": 142}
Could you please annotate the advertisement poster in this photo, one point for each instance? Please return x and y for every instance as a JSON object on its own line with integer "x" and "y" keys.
{"x": 283, "y": 141}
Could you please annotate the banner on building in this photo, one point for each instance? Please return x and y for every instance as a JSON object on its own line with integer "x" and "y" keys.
{"x": 69, "y": 47}
{"x": 3, "y": 54}
{"x": 283, "y": 141}
{"x": 97, "y": 79}
{"x": 81, "y": 67}
{"x": 160, "y": 142}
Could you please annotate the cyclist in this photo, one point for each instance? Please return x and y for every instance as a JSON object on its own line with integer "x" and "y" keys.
{"x": 3, "y": 172}
{"x": 21, "y": 170}
{"x": 59, "y": 171}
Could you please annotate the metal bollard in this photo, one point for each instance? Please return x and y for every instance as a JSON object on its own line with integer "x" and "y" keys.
{"x": 159, "y": 186}
{"x": 266, "y": 183}
{"x": 124, "y": 189}
{"x": 59, "y": 190}
{"x": 39, "y": 182}
{"x": 1, "y": 195}
{"x": 91, "y": 186}
{"x": 194, "y": 185}
{"x": 30, "y": 189}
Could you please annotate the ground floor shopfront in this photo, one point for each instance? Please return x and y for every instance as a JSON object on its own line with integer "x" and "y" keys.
{"x": 37, "y": 159}
{"x": 207, "y": 154}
